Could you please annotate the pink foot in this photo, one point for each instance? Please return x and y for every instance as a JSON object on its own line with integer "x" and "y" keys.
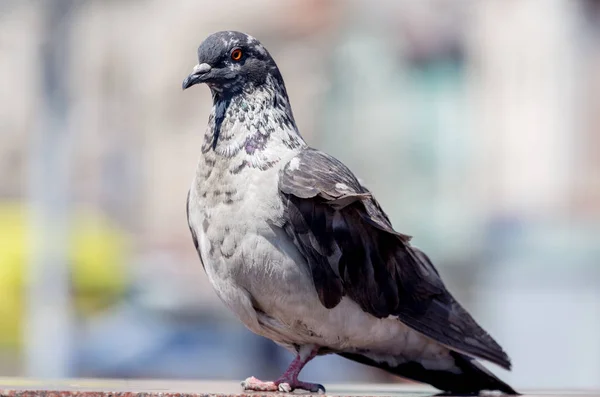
{"x": 252, "y": 383}
{"x": 289, "y": 380}
{"x": 282, "y": 384}
{"x": 287, "y": 385}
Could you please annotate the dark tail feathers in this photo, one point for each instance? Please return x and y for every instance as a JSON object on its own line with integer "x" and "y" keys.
{"x": 472, "y": 379}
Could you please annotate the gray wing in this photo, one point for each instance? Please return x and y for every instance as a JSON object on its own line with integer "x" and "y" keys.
{"x": 353, "y": 250}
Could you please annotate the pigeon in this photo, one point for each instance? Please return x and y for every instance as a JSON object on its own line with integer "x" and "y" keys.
{"x": 302, "y": 252}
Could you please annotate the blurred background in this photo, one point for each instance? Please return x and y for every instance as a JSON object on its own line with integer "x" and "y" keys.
{"x": 475, "y": 123}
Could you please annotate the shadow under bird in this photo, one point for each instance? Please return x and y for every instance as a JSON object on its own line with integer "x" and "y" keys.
{"x": 302, "y": 252}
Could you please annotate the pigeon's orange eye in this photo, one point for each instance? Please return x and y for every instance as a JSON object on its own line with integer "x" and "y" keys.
{"x": 236, "y": 54}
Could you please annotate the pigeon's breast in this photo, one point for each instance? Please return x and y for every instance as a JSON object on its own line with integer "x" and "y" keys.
{"x": 234, "y": 215}
{"x": 227, "y": 206}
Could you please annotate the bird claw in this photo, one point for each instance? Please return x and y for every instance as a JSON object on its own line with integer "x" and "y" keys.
{"x": 311, "y": 387}
{"x": 287, "y": 386}
{"x": 254, "y": 384}
{"x": 320, "y": 389}
{"x": 284, "y": 387}
{"x": 281, "y": 385}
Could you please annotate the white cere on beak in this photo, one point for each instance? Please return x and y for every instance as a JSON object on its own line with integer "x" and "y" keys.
{"x": 202, "y": 68}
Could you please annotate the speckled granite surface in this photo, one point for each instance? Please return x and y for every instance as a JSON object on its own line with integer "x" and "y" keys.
{"x": 158, "y": 388}
{"x": 166, "y": 388}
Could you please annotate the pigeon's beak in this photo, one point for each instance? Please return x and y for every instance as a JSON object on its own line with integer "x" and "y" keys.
{"x": 198, "y": 75}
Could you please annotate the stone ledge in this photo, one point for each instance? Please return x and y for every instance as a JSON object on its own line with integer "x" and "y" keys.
{"x": 18, "y": 387}
{"x": 22, "y": 387}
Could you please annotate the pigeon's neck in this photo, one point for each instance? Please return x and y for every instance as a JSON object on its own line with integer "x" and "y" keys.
{"x": 254, "y": 128}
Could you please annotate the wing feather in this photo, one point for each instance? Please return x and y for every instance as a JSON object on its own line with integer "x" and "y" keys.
{"x": 352, "y": 249}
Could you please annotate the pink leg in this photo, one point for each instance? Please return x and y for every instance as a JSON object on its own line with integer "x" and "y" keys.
{"x": 289, "y": 380}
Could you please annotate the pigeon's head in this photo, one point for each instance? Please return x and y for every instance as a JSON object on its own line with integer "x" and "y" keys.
{"x": 229, "y": 61}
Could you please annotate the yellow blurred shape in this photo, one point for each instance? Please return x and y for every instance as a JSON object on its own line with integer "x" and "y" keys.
{"x": 97, "y": 255}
